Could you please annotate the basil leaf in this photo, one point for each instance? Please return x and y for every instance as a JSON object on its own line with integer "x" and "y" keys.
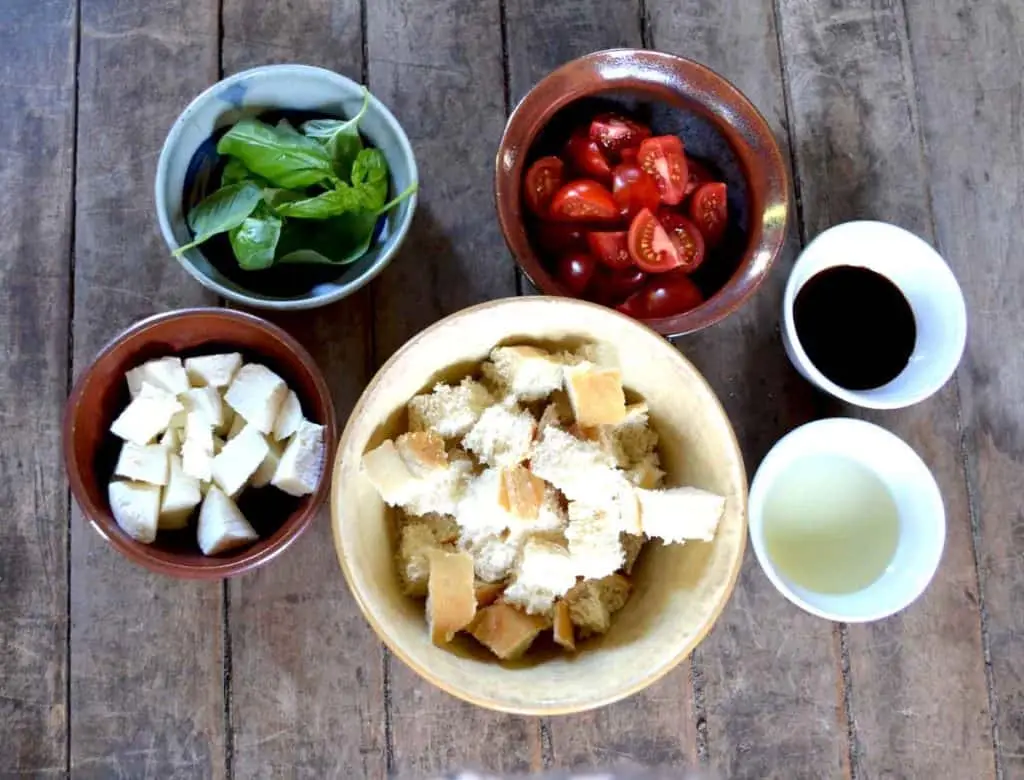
{"x": 286, "y": 159}
{"x": 327, "y": 204}
{"x": 275, "y": 197}
{"x": 398, "y": 198}
{"x": 222, "y": 211}
{"x": 235, "y": 172}
{"x": 340, "y": 137}
{"x": 255, "y": 241}
{"x": 336, "y": 241}
{"x": 370, "y": 176}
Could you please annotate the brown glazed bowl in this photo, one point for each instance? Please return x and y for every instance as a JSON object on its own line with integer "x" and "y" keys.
{"x": 717, "y": 124}
{"x": 99, "y": 395}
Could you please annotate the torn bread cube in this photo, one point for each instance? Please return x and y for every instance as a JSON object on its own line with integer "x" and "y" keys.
{"x": 197, "y": 447}
{"x": 449, "y": 410}
{"x": 524, "y": 373}
{"x": 440, "y": 492}
{"x": 451, "y": 597}
{"x": 302, "y": 461}
{"x": 389, "y": 474}
{"x": 562, "y": 628}
{"x": 423, "y": 452}
{"x": 222, "y": 526}
{"x": 503, "y": 436}
{"x": 633, "y": 437}
{"x": 480, "y": 512}
{"x": 631, "y": 546}
{"x": 289, "y": 417}
{"x": 444, "y": 527}
{"x": 239, "y": 459}
{"x": 262, "y": 476}
{"x": 147, "y": 416}
{"x": 596, "y": 394}
{"x": 544, "y": 572}
{"x": 646, "y": 473}
{"x": 680, "y": 514}
{"x": 593, "y": 536}
{"x": 136, "y": 508}
{"x": 416, "y": 540}
{"x": 147, "y": 463}
{"x": 487, "y": 593}
{"x": 593, "y": 602}
{"x": 180, "y": 497}
{"x": 494, "y": 555}
{"x": 257, "y": 393}
{"x": 166, "y": 373}
{"x": 215, "y": 371}
{"x": 205, "y": 401}
{"x": 575, "y": 467}
{"x": 506, "y": 631}
{"x": 521, "y": 492}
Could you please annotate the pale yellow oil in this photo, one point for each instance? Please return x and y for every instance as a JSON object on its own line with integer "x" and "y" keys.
{"x": 830, "y": 524}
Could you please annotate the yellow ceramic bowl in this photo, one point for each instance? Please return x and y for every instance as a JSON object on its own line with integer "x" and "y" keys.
{"x": 679, "y": 590}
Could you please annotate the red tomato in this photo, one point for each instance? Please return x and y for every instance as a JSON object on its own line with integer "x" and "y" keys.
{"x": 628, "y": 155}
{"x": 696, "y": 174}
{"x": 612, "y": 287}
{"x": 586, "y": 157}
{"x": 575, "y": 271}
{"x": 709, "y": 210}
{"x": 686, "y": 237}
{"x": 583, "y": 200}
{"x": 610, "y": 249}
{"x": 633, "y": 306}
{"x": 557, "y": 238}
{"x": 663, "y": 157}
{"x": 614, "y": 133}
{"x": 664, "y": 296}
{"x": 634, "y": 189}
{"x": 649, "y": 244}
{"x": 542, "y": 181}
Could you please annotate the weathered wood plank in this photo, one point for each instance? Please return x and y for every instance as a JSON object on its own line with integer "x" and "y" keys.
{"x": 307, "y": 691}
{"x": 858, "y": 154}
{"x": 146, "y": 651}
{"x": 763, "y": 655}
{"x": 968, "y": 59}
{"x": 37, "y": 47}
{"x": 438, "y": 66}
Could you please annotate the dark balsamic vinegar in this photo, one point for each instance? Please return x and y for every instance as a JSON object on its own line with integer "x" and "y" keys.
{"x": 855, "y": 326}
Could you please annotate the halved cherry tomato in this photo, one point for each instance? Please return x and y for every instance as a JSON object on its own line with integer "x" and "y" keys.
{"x": 612, "y": 287}
{"x": 575, "y": 271}
{"x": 686, "y": 237}
{"x": 628, "y": 155}
{"x": 649, "y": 244}
{"x": 663, "y": 296}
{"x": 542, "y": 181}
{"x": 634, "y": 189}
{"x": 709, "y": 210}
{"x": 663, "y": 157}
{"x": 696, "y": 174}
{"x": 586, "y": 156}
{"x": 610, "y": 249}
{"x": 614, "y": 133}
{"x": 557, "y": 238}
{"x": 583, "y": 200}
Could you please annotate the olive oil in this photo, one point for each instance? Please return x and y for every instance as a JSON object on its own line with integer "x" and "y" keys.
{"x": 830, "y": 524}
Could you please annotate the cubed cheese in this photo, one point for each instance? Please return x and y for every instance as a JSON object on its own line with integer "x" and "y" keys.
{"x": 197, "y": 448}
{"x": 257, "y": 393}
{"x": 302, "y": 461}
{"x": 206, "y": 401}
{"x": 222, "y": 526}
{"x": 289, "y": 417}
{"x": 212, "y": 370}
{"x": 147, "y": 463}
{"x": 167, "y": 373}
{"x": 238, "y": 424}
{"x": 262, "y": 476}
{"x": 239, "y": 459}
{"x": 136, "y": 508}
{"x": 171, "y": 440}
{"x": 147, "y": 416}
{"x": 180, "y": 497}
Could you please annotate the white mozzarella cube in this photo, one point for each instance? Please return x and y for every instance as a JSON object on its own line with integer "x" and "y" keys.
{"x": 167, "y": 373}
{"x": 147, "y": 416}
{"x": 237, "y": 426}
{"x": 257, "y": 393}
{"x": 136, "y": 508}
{"x": 262, "y": 476}
{"x": 171, "y": 440}
{"x": 302, "y": 462}
{"x": 212, "y": 370}
{"x": 146, "y": 463}
{"x": 180, "y": 497}
{"x": 289, "y": 418}
{"x": 197, "y": 448}
{"x": 222, "y": 526}
{"x": 206, "y": 401}
{"x": 239, "y": 458}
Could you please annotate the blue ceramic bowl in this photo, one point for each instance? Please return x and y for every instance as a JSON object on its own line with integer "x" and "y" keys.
{"x": 188, "y": 170}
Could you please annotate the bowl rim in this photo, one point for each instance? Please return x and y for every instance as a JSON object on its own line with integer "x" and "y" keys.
{"x": 172, "y": 140}
{"x": 135, "y": 552}
{"x": 767, "y": 236}
{"x": 481, "y": 700}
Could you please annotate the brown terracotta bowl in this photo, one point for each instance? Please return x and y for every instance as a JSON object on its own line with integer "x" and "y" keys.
{"x": 675, "y": 96}
{"x": 99, "y": 395}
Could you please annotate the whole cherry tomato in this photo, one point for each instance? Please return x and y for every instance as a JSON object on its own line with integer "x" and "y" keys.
{"x": 634, "y": 189}
{"x": 575, "y": 271}
{"x": 612, "y": 287}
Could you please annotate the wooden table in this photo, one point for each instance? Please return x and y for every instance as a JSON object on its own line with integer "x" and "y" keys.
{"x": 903, "y": 110}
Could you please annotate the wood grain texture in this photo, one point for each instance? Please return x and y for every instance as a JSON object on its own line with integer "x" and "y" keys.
{"x": 859, "y": 156}
{"x": 37, "y": 133}
{"x": 307, "y": 689}
{"x": 968, "y": 59}
{"x": 763, "y": 656}
{"x": 438, "y": 66}
{"x": 146, "y": 651}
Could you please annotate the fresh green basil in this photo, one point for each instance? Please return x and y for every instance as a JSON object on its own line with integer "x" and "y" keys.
{"x": 285, "y": 158}
{"x": 224, "y": 210}
{"x": 370, "y": 176}
{"x": 254, "y": 242}
{"x": 327, "y": 204}
{"x": 340, "y": 137}
{"x": 398, "y": 199}
{"x": 336, "y": 241}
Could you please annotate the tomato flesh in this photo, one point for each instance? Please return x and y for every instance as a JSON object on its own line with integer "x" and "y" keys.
{"x": 613, "y": 133}
{"x": 634, "y": 189}
{"x": 610, "y": 248}
{"x": 664, "y": 158}
{"x": 575, "y": 271}
{"x": 650, "y": 245}
{"x": 583, "y": 200}
{"x": 543, "y": 180}
{"x": 586, "y": 157}
{"x": 709, "y": 210}
{"x": 687, "y": 238}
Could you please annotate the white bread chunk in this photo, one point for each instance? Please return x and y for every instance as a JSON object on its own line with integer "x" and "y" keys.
{"x": 449, "y": 410}
{"x": 222, "y": 526}
{"x": 416, "y": 540}
{"x": 289, "y": 417}
{"x": 167, "y": 373}
{"x": 521, "y": 493}
{"x": 302, "y": 461}
{"x": 197, "y": 447}
{"x": 147, "y": 416}
{"x": 633, "y": 437}
{"x": 423, "y": 452}
{"x": 503, "y": 436}
{"x": 506, "y": 631}
{"x": 147, "y": 463}
{"x": 646, "y": 473}
{"x": 238, "y": 460}
{"x": 544, "y": 572}
{"x": 262, "y": 476}
{"x": 681, "y": 513}
{"x": 451, "y": 596}
{"x": 390, "y": 475}
{"x": 479, "y": 512}
{"x": 206, "y": 401}
{"x": 593, "y": 602}
{"x": 494, "y": 555}
{"x": 441, "y": 492}
{"x": 257, "y": 393}
{"x": 213, "y": 370}
{"x": 238, "y": 424}
{"x": 136, "y": 508}
{"x": 577, "y": 468}
{"x": 524, "y": 373}
{"x": 180, "y": 497}
{"x": 594, "y": 541}
{"x": 596, "y": 394}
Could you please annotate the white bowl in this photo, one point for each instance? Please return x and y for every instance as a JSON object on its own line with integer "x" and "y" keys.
{"x": 926, "y": 282}
{"x": 251, "y": 93}
{"x": 922, "y": 531}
